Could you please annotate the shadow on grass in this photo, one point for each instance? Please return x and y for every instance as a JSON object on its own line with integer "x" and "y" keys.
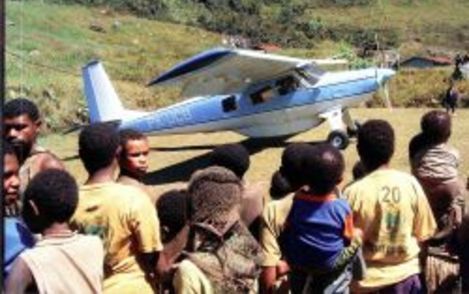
{"x": 183, "y": 170}
{"x": 70, "y": 158}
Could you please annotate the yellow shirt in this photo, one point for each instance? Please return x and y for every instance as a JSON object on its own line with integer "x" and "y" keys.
{"x": 273, "y": 220}
{"x": 126, "y": 220}
{"x": 189, "y": 279}
{"x": 126, "y": 180}
{"x": 393, "y": 212}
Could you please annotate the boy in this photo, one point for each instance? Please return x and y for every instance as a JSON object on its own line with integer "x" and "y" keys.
{"x": 221, "y": 255}
{"x": 62, "y": 261}
{"x": 133, "y": 160}
{"x": 11, "y": 182}
{"x": 235, "y": 157}
{"x": 319, "y": 227}
{"x": 393, "y": 212}
{"x": 123, "y": 216}
{"x": 274, "y": 268}
{"x": 17, "y": 237}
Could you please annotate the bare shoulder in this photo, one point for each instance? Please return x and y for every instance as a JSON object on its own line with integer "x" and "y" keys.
{"x": 47, "y": 160}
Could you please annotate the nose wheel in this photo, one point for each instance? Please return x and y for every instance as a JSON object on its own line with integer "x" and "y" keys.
{"x": 339, "y": 139}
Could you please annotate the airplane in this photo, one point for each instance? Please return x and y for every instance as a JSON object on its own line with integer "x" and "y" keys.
{"x": 253, "y": 93}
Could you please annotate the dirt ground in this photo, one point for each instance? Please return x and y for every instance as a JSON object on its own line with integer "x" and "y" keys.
{"x": 174, "y": 158}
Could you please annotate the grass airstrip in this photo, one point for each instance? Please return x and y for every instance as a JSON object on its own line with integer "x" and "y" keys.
{"x": 173, "y": 158}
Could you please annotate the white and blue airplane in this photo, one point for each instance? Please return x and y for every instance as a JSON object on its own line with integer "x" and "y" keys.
{"x": 255, "y": 94}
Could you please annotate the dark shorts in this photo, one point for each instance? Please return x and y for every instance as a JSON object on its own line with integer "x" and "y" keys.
{"x": 411, "y": 285}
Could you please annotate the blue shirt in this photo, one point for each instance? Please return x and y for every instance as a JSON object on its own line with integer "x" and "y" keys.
{"x": 316, "y": 231}
{"x": 17, "y": 238}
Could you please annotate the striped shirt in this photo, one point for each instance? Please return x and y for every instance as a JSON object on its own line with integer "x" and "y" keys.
{"x": 438, "y": 162}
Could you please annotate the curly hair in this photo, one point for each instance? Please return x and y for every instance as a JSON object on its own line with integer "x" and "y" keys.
{"x": 55, "y": 195}
{"x": 436, "y": 126}
{"x": 279, "y": 186}
{"x": 234, "y": 157}
{"x": 20, "y": 106}
{"x": 375, "y": 143}
{"x": 214, "y": 192}
{"x": 324, "y": 167}
{"x": 289, "y": 177}
{"x": 173, "y": 212}
{"x": 97, "y": 146}
{"x": 126, "y": 135}
{"x": 358, "y": 170}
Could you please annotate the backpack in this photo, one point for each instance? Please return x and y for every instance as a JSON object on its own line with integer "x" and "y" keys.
{"x": 230, "y": 261}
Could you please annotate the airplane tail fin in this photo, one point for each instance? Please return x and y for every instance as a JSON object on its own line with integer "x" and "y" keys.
{"x": 103, "y": 102}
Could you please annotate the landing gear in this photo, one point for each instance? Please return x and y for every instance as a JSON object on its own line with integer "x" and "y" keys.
{"x": 339, "y": 139}
{"x": 353, "y": 132}
{"x": 342, "y": 127}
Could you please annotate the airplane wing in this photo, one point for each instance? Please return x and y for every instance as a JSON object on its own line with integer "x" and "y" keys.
{"x": 224, "y": 71}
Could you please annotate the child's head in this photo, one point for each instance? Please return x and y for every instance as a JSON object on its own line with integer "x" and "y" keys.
{"x": 375, "y": 143}
{"x": 11, "y": 181}
{"x": 173, "y": 213}
{"x": 279, "y": 186}
{"x": 51, "y": 197}
{"x": 289, "y": 178}
{"x": 324, "y": 168}
{"x": 133, "y": 158}
{"x": 98, "y": 146}
{"x": 436, "y": 126}
{"x": 234, "y": 157}
{"x": 215, "y": 193}
{"x": 358, "y": 170}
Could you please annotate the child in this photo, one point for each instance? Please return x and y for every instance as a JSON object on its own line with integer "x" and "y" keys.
{"x": 122, "y": 215}
{"x": 435, "y": 164}
{"x": 62, "y": 261}
{"x": 285, "y": 182}
{"x": 133, "y": 159}
{"x": 17, "y": 237}
{"x": 319, "y": 236}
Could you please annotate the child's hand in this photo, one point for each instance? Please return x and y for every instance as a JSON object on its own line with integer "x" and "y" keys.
{"x": 357, "y": 233}
{"x": 282, "y": 268}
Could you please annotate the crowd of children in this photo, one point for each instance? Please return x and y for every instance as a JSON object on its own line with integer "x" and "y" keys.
{"x": 386, "y": 232}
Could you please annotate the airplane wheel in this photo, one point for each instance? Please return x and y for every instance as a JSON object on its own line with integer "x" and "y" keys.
{"x": 354, "y": 133}
{"x": 338, "y": 139}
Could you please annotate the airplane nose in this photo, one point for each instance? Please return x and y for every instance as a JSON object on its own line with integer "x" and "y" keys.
{"x": 383, "y": 75}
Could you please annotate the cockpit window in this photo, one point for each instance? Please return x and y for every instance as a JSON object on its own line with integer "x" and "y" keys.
{"x": 287, "y": 85}
{"x": 308, "y": 74}
{"x": 263, "y": 95}
{"x": 280, "y": 87}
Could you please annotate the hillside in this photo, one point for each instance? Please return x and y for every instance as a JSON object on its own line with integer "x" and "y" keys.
{"x": 48, "y": 43}
{"x": 302, "y": 23}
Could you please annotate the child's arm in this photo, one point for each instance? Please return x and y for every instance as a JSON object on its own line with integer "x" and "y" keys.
{"x": 350, "y": 232}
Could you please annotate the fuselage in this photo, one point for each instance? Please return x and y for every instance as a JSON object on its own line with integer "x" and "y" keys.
{"x": 264, "y": 109}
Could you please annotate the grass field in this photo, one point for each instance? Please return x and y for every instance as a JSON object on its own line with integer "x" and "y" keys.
{"x": 174, "y": 158}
